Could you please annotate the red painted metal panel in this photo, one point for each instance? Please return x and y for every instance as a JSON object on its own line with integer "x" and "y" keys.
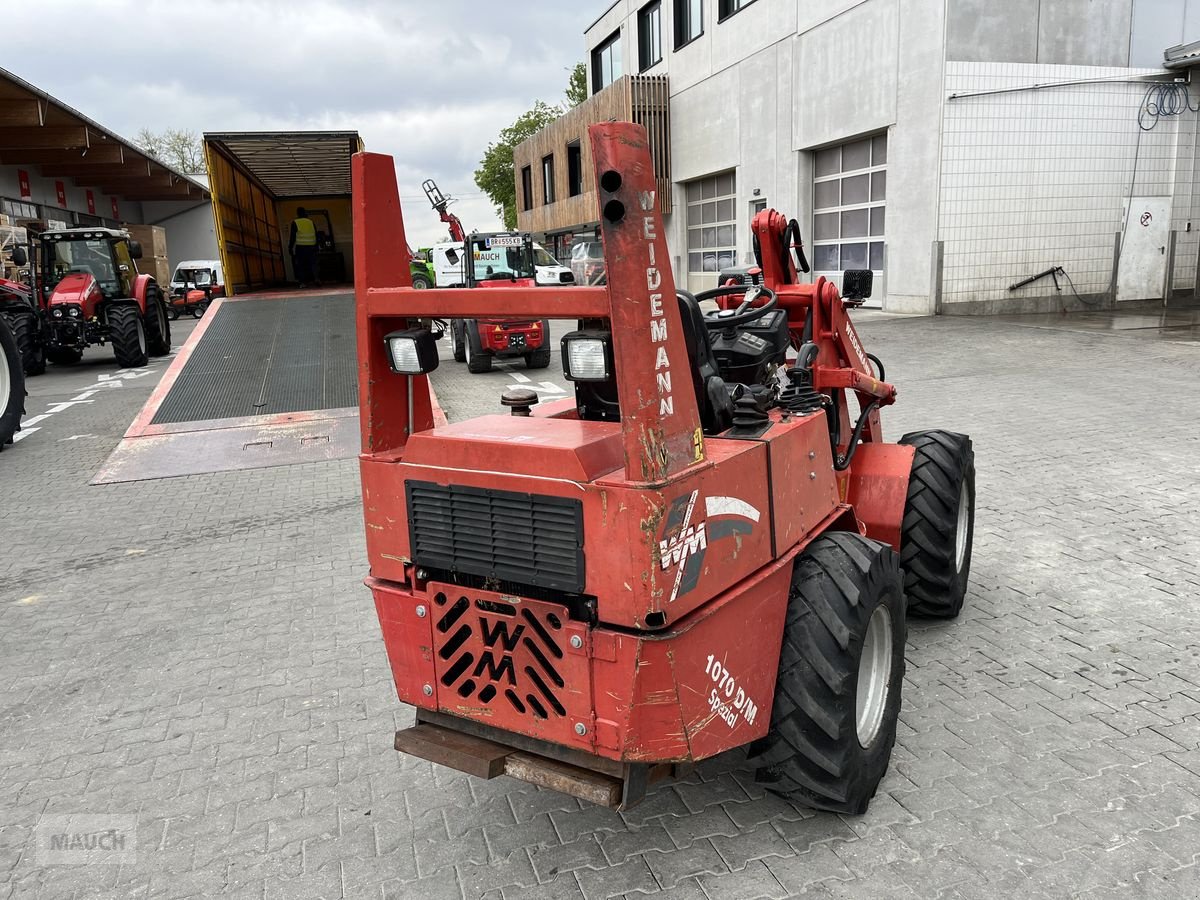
{"x": 409, "y": 642}
{"x": 385, "y": 518}
{"x": 553, "y": 448}
{"x": 510, "y": 661}
{"x": 663, "y": 553}
{"x": 803, "y": 485}
{"x": 659, "y": 415}
{"x": 879, "y": 488}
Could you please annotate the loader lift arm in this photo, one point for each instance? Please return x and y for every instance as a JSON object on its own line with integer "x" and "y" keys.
{"x": 441, "y": 203}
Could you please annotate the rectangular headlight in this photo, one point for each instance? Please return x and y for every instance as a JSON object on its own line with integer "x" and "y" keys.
{"x": 587, "y": 356}
{"x": 412, "y": 352}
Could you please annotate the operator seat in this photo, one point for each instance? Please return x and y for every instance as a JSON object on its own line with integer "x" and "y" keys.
{"x": 712, "y": 394}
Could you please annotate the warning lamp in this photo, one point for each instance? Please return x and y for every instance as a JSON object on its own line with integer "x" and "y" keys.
{"x": 412, "y": 352}
{"x": 587, "y": 356}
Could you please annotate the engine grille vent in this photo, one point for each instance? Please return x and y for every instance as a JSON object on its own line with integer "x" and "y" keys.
{"x": 526, "y": 539}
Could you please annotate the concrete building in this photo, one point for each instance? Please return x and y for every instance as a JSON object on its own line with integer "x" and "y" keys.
{"x": 955, "y": 147}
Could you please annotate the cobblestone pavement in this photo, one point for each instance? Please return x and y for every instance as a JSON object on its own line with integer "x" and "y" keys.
{"x": 200, "y": 653}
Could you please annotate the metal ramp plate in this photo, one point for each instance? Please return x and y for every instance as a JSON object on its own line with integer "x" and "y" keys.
{"x": 263, "y": 381}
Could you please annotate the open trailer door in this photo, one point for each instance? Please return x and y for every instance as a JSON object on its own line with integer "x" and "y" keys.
{"x": 259, "y": 179}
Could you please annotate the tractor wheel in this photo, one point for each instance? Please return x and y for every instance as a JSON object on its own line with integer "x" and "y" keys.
{"x": 12, "y": 386}
{"x": 939, "y": 523}
{"x": 421, "y": 282}
{"x": 64, "y": 356}
{"x": 538, "y": 359}
{"x": 173, "y": 312}
{"x": 837, "y": 697}
{"x": 24, "y": 328}
{"x": 200, "y": 309}
{"x": 457, "y": 344}
{"x": 127, "y": 332}
{"x": 156, "y": 324}
{"x": 478, "y": 359}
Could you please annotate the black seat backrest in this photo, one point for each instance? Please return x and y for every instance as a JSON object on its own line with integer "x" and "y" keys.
{"x": 712, "y": 394}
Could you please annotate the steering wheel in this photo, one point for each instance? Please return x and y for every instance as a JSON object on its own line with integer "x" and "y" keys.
{"x": 746, "y": 312}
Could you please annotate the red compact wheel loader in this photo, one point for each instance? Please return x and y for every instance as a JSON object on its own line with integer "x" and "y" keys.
{"x": 707, "y": 548}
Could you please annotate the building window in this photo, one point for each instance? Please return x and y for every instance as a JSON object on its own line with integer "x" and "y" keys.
{"x": 711, "y": 225}
{"x": 606, "y": 63}
{"x": 19, "y": 209}
{"x": 849, "y": 207}
{"x": 574, "y": 169}
{"x": 527, "y": 188}
{"x": 726, "y": 8}
{"x": 689, "y": 21}
{"x": 649, "y": 36}
{"x": 548, "y": 178}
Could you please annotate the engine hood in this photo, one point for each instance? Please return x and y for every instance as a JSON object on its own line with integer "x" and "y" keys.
{"x": 77, "y": 287}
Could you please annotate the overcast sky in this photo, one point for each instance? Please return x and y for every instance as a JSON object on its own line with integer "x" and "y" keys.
{"x": 429, "y": 81}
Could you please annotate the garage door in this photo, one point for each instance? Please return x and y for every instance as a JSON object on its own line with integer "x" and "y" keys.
{"x": 850, "y": 210}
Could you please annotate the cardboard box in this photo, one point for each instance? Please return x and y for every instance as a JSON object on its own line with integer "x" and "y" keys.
{"x": 153, "y": 238}
{"x": 158, "y": 266}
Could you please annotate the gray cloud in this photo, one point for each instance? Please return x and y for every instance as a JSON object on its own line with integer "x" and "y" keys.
{"x": 429, "y": 82}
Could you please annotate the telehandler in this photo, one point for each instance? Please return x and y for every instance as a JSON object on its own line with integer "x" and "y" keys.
{"x": 708, "y": 547}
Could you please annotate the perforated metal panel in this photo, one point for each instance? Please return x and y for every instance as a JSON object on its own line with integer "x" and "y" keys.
{"x": 268, "y": 356}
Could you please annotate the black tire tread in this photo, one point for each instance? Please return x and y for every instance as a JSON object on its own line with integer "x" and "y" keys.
{"x": 479, "y": 361}
{"x": 811, "y": 752}
{"x": 23, "y": 325}
{"x": 928, "y": 531}
{"x": 460, "y": 349}
{"x": 122, "y": 325}
{"x": 10, "y": 416}
{"x": 158, "y": 342}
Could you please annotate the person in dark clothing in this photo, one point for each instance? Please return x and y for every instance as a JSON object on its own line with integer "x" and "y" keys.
{"x": 302, "y": 245}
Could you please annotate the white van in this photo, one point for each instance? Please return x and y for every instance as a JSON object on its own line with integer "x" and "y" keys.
{"x": 184, "y": 272}
{"x": 447, "y": 265}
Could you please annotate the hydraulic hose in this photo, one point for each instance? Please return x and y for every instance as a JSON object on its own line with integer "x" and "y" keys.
{"x": 843, "y": 463}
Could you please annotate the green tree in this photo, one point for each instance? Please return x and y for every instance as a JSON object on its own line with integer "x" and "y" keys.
{"x": 577, "y": 90}
{"x": 179, "y": 149}
{"x": 495, "y": 175}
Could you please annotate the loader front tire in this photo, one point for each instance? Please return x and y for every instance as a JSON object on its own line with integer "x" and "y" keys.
{"x": 837, "y": 697}
{"x": 939, "y": 523}
{"x": 127, "y": 332}
{"x": 457, "y": 338}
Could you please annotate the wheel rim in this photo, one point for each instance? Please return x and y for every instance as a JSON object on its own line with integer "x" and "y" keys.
{"x": 964, "y": 522}
{"x": 467, "y": 348}
{"x": 5, "y": 380}
{"x": 141, "y": 333}
{"x": 161, "y": 315}
{"x": 874, "y": 676}
{"x": 419, "y": 284}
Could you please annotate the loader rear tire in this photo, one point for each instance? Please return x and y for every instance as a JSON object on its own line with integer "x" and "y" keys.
{"x": 127, "y": 332}
{"x": 24, "y": 327}
{"x": 837, "y": 697}
{"x": 939, "y": 523}
{"x": 12, "y": 387}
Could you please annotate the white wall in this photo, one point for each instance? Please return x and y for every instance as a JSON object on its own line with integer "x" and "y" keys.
{"x": 1036, "y": 179}
{"x": 44, "y": 193}
{"x": 189, "y": 227}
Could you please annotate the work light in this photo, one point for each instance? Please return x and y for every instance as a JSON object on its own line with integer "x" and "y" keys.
{"x": 412, "y": 352}
{"x": 587, "y": 356}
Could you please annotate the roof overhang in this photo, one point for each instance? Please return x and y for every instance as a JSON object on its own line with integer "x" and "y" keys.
{"x": 292, "y": 163}
{"x": 39, "y": 131}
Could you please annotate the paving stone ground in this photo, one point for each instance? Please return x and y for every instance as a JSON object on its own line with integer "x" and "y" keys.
{"x": 200, "y": 653}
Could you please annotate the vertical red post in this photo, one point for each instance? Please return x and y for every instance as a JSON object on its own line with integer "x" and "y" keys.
{"x": 660, "y": 419}
{"x": 381, "y": 261}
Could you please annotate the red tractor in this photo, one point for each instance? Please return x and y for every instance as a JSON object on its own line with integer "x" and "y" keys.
{"x": 502, "y": 259}
{"x": 20, "y": 313}
{"x": 90, "y": 292}
{"x": 708, "y": 547}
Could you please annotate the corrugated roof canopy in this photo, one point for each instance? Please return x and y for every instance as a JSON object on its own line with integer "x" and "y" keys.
{"x": 293, "y": 163}
{"x": 38, "y": 130}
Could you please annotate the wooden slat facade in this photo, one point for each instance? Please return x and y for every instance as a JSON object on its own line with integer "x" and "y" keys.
{"x": 632, "y": 98}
